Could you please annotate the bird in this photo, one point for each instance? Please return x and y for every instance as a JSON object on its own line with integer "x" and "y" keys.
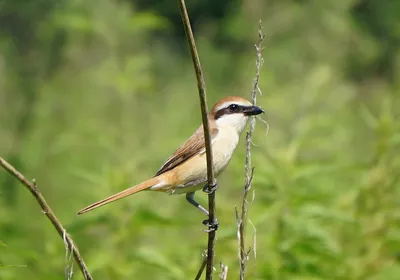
{"x": 185, "y": 170}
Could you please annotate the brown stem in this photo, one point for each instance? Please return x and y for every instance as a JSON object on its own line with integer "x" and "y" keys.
{"x": 204, "y": 112}
{"x": 32, "y": 187}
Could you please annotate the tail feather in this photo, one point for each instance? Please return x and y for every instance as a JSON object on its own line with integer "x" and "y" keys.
{"x": 132, "y": 190}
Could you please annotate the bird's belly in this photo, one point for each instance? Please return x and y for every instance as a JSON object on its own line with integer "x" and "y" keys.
{"x": 193, "y": 173}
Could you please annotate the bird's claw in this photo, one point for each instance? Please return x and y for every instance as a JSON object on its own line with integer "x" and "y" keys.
{"x": 212, "y": 225}
{"x": 212, "y": 190}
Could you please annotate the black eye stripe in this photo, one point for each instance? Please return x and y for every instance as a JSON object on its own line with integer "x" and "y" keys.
{"x": 231, "y": 109}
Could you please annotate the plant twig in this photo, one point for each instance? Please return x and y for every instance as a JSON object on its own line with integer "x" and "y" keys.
{"x": 249, "y": 172}
{"x": 32, "y": 187}
{"x": 202, "y": 267}
{"x": 224, "y": 272}
{"x": 204, "y": 113}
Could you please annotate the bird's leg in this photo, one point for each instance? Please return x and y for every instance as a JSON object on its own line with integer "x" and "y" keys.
{"x": 213, "y": 188}
{"x": 213, "y": 225}
{"x": 190, "y": 199}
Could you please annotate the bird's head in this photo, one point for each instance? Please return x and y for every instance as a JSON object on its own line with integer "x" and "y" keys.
{"x": 233, "y": 112}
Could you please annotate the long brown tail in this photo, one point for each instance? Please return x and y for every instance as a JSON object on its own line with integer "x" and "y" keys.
{"x": 142, "y": 186}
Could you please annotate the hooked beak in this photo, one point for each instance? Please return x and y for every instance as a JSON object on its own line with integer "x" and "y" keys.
{"x": 253, "y": 110}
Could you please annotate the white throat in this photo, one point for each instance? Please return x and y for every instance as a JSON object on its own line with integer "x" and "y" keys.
{"x": 235, "y": 122}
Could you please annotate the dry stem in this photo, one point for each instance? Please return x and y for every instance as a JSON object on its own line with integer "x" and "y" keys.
{"x": 204, "y": 112}
{"x": 224, "y": 272}
{"x": 241, "y": 221}
{"x": 32, "y": 187}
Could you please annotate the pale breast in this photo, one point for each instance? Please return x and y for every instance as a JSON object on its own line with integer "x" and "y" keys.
{"x": 223, "y": 149}
{"x": 194, "y": 171}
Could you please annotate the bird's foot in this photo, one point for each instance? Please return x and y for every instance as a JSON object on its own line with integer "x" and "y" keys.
{"x": 212, "y": 225}
{"x": 211, "y": 190}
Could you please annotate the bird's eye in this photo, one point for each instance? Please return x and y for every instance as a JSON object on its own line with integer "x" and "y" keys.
{"x": 233, "y": 107}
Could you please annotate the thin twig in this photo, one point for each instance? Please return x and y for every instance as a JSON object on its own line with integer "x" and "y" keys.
{"x": 249, "y": 172}
{"x": 69, "y": 264}
{"x": 202, "y": 267}
{"x": 254, "y": 240}
{"x": 32, "y": 187}
{"x": 224, "y": 272}
{"x": 204, "y": 113}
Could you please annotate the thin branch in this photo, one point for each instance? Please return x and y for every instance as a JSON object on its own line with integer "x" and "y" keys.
{"x": 32, "y": 187}
{"x": 204, "y": 112}
{"x": 249, "y": 172}
{"x": 202, "y": 267}
{"x": 224, "y": 272}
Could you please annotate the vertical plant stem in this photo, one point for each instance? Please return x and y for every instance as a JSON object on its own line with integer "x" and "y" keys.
{"x": 241, "y": 221}
{"x": 204, "y": 113}
{"x": 224, "y": 272}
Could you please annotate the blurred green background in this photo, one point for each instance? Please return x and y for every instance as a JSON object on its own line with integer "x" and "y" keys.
{"x": 88, "y": 87}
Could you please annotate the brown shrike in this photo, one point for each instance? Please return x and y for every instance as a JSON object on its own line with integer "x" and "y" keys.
{"x": 186, "y": 169}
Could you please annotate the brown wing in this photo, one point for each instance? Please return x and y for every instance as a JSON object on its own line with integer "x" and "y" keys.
{"x": 194, "y": 145}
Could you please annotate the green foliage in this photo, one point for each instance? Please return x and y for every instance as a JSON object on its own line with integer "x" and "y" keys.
{"x": 93, "y": 99}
